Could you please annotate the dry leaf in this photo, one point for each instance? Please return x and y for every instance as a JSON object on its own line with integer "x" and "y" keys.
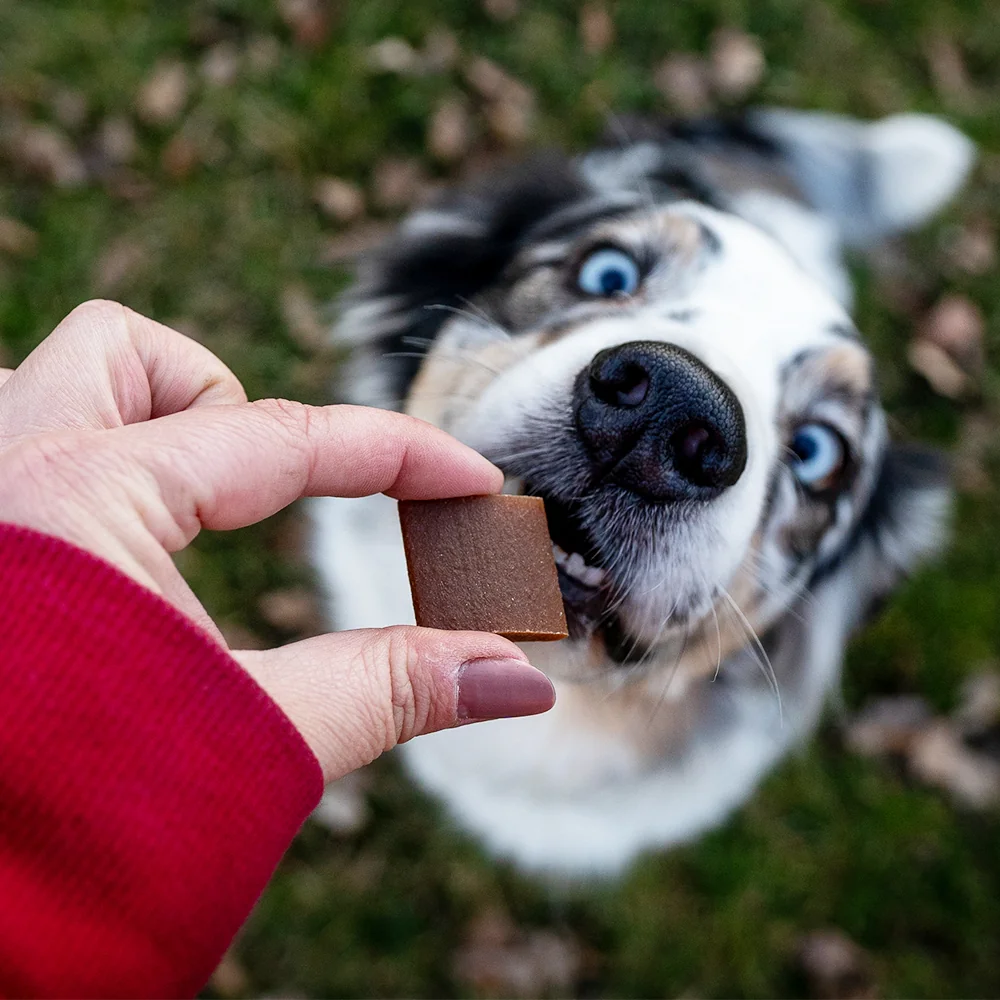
{"x": 17, "y": 239}
{"x": 449, "y": 133}
{"x": 939, "y": 757}
{"x": 344, "y": 809}
{"x": 835, "y": 967}
{"x": 352, "y": 244}
{"x": 934, "y": 363}
{"x": 339, "y": 199}
{"x": 393, "y": 55}
{"x": 263, "y": 55}
{"x": 972, "y": 248}
{"x": 682, "y": 79}
{"x": 181, "y": 156}
{"x": 46, "y": 152}
{"x": 239, "y": 637}
{"x": 736, "y": 63}
{"x": 119, "y": 266}
{"x": 397, "y": 183}
{"x": 977, "y": 438}
{"x": 888, "y": 725}
{"x": 164, "y": 95}
{"x": 230, "y": 979}
{"x": 220, "y": 65}
{"x": 956, "y": 325}
{"x": 501, "y": 960}
{"x": 597, "y": 28}
{"x": 302, "y": 317}
{"x": 979, "y": 704}
{"x": 493, "y": 83}
{"x": 117, "y": 141}
{"x": 948, "y": 72}
{"x": 293, "y": 609}
{"x": 441, "y": 50}
{"x": 502, "y": 10}
{"x": 309, "y": 21}
{"x": 70, "y": 108}
{"x": 510, "y": 121}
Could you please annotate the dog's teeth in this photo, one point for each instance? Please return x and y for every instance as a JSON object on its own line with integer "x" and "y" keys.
{"x": 575, "y": 566}
{"x": 559, "y": 555}
{"x": 592, "y": 576}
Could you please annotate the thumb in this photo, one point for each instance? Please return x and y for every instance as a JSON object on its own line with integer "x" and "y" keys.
{"x": 354, "y": 695}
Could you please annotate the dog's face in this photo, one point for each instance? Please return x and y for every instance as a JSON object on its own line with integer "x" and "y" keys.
{"x": 699, "y": 414}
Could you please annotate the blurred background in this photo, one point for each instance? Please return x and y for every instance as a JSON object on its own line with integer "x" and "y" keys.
{"x": 217, "y": 164}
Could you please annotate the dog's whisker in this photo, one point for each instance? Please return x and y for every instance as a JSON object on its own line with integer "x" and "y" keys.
{"x": 764, "y": 664}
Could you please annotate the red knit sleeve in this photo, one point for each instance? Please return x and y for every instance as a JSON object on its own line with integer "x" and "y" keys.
{"x": 148, "y": 786}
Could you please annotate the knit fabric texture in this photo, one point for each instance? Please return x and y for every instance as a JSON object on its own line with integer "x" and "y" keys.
{"x": 148, "y": 785}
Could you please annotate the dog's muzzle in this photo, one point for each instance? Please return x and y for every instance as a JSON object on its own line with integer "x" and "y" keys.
{"x": 656, "y": 421}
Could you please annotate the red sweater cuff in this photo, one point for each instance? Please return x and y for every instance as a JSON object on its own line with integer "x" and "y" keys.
{"x": 148, "y": 785}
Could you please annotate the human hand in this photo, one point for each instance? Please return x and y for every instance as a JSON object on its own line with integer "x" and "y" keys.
{"x": 127, "y": 438}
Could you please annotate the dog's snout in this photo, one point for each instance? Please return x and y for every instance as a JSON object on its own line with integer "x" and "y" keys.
{"x": 658, "y": 422}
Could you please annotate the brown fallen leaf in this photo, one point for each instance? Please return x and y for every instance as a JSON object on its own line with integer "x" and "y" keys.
{"x": 948, "y": 71}
{"x": 230, "y": 978}
{"x": 441, "y": 50}
{"x": 979, "y": 701}
{"x": 502, "y": 11}
{"x": 348, "y": 246}
{"x": 683, "y": 80}
{"x": 397, "y": 183}
{"x": 978, "y": 438}
{"x": 120, "y": 265}
{"x": 736, "y": 63}
{"x": 164, "y": 95}
{"x": 934, "y": 363}
{"x": 220, "y": 65}
{"x": 309, "y": 21}
{"x": 240, "y": 637}
{"x": 70, "y": 107}
{"x": 597, "y": 27}
{"x": 344, "y": 808}
{"x": 887, "y": 725}
{"x": 972, "y": 248}
{"x": 339, "y": 199}
{"x": 493, "y": 83}
{"x": 46, "y": 152}
{"x": 116, "y": 140}
{"x": 302, "y": 317}
{"x": 500, "y": 959}
{"x": 393, "y": 55}
{"x": 181, "y": 156}
{"x": 835, "y": 967}
{"x": 449, "y": 133}
{"x": 292, "y": 609}
{"x": 956, "y": 325}
{"x": 17, "y": 239}
{"x": 940, "y": 758}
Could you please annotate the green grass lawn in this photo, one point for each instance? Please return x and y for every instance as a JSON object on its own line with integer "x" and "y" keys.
{"x": 202, "y": 214}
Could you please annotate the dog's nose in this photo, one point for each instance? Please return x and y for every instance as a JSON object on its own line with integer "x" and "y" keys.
{"x": 658, "y": 422}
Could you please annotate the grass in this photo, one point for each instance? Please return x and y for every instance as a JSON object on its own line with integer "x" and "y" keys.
{"x": 832, "y": 840}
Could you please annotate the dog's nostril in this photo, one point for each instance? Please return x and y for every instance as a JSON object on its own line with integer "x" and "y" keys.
{"x": 699, "y": 453}
{"x": 620, "y": 383}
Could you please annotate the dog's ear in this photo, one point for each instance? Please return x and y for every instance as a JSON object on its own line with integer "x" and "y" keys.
{"x": 871, "y": 179}
{"x": 440, "y": 258}
{"x": 904, "y": 524}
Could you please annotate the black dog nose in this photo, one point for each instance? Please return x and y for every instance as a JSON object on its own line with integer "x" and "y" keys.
{"x": 657, "y": 421}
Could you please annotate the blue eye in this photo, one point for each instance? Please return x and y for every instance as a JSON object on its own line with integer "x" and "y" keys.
{"x": 819, "y": 455}
{"x": 608, "y": 272}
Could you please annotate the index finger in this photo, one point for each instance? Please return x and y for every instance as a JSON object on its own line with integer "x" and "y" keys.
{"x": 230, "y": 466}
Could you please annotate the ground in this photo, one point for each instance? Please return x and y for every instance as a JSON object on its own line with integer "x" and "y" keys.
{"x": 173, "y": 156}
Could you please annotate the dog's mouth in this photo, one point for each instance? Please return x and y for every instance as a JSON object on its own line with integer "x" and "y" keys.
{"x": 585, "y": 583}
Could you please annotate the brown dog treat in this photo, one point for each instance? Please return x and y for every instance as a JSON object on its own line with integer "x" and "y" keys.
{"x": 483, "y": 564}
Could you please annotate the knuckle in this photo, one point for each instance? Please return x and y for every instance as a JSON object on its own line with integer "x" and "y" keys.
{"x": 401, "y": 712}
{"x": 97, "y": 312}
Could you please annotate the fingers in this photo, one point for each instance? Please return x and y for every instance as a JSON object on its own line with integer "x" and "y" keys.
{"x": 354, "y": 695}
{"x": 105, "y": 366}
{"x": 234, "y": 465}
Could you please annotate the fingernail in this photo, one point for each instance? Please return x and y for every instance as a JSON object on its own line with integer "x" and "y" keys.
{"x": 500, "y": 689}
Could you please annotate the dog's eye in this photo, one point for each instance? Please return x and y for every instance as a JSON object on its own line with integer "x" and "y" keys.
{"x": 608, "y": 272}
{"x": 819, "y": 455}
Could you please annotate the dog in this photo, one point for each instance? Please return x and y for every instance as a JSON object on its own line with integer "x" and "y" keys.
{"x": 655, "y": 337}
